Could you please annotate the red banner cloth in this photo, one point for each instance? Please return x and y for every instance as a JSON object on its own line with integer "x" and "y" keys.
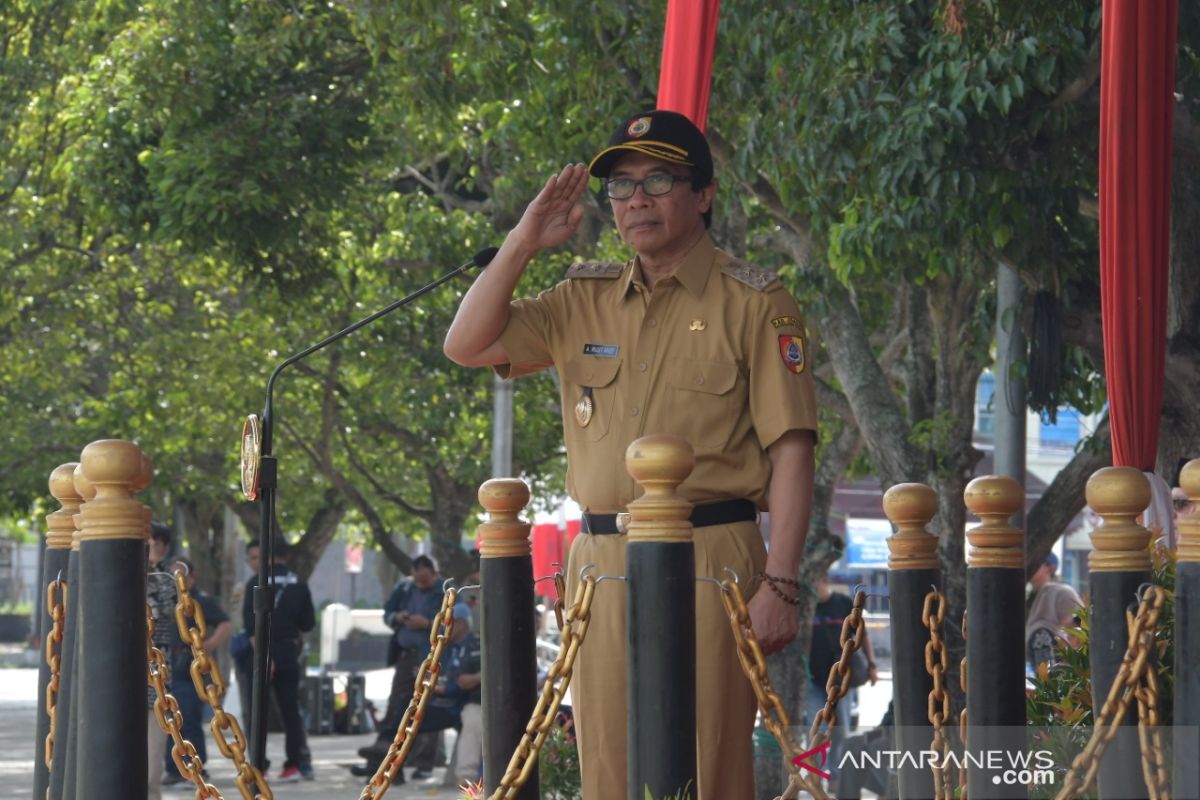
{"x": 1137, "y": 81}
{"x": 685, "y": 77}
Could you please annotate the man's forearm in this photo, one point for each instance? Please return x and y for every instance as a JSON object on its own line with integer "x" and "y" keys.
{"x": 790, "y": 499}
{"x": 483, "y": 313}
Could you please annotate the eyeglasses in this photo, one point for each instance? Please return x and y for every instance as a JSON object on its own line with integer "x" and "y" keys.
{"x": 654, "y": 185}
{"x": 1181, "y": 503}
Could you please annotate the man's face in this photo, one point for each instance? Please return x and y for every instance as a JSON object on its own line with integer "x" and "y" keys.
{"x": 1180, "y": 502}
{"x": 158, "y": 550}
{"x": 1043, "y": 574}
{"x": 655, "y": 226}
{"x": 424, "y": 577}
{"x": 823, "y": 590}
{"x": 252, "y": 559}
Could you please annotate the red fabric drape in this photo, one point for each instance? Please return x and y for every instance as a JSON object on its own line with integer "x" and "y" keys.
{"x": 1137, "y": 79}
{"x": 547, "y": 551}
{"x": 685, "y": 77}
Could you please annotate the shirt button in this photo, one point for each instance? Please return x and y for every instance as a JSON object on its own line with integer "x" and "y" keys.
{"x": 651, "y": 322}
{"x": 700, "y": 380}
{"x": 642, "y": 367}
{"x": 633, "y": 412}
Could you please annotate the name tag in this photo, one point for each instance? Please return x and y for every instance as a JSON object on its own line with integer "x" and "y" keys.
{"x": 601, "y": 350}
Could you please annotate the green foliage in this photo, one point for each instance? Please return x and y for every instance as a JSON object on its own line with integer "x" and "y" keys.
{"x": 558, "y": 767}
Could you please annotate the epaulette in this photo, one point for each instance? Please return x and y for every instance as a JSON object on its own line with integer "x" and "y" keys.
{"x": 594, "y": 269}
{"x": 755, "y": 277}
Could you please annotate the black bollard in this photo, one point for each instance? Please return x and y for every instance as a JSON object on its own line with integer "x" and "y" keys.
{"x": 995, "y": 637}
{"x": 112, "y": 625}
{"x": 66, "y": 759}
{"x": 1186, "y": 780}
{"x": 60, "y": 530}
{"x": 1117, "y": 566}
{"x": 509, "y": 638}
{"x": 661, "y": 609}
{"x": 912, "y": 572}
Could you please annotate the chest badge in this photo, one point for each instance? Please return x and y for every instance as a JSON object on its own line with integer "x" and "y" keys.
{"x": 584, "y": 408}
{"x": 697, "y": 325}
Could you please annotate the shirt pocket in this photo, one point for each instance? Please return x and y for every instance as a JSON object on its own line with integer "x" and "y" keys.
{"x": 708, "y": 400}
{"x": 601, "y": 375}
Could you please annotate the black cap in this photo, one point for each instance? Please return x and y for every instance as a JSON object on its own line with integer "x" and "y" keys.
{"x": 662, "y": 134}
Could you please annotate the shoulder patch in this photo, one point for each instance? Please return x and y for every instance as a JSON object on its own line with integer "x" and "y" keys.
{"x": 594, "y": 269}
{"x": 758, "y": 278}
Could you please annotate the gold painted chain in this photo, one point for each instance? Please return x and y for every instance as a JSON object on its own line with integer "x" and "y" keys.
{"x": 56, "y": 602}
{"x": 775, "y": 717}
{"x": 1154, "y": 767}
{"x": 574, "y": 629}
{"x": 1134, "y": 667}
{"x": 427, "y": 676}
{"x": 166, "y": 711}
{"x": 230, "y": 739}
{"x": 962, "y": 715}
{"x": 936, "y": 664}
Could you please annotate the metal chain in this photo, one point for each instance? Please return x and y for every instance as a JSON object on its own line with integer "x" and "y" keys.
{"x": 1150, "y": 734}
{"x": 962, "y": 716}
{"x": 774, "y": 715}
{"x": 838, "y": 683}
{"x": 936, "y": 664}
{"x": 230, "y": 739}
{"x": 56, "y": 602}
{"x": 427, "y": 676}
{"x": 1130, "y": 675}
{"x": 574, "y": 629}
{"x": 560, "y": 595}
{"x": 166, "y": 711}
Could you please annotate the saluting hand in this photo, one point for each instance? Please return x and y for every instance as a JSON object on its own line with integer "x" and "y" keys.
{"x": 775, "y": 622}
{"x": 554, "y": 215}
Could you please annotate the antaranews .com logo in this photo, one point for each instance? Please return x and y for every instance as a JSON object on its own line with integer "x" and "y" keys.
{"x": 1008, "y": 767}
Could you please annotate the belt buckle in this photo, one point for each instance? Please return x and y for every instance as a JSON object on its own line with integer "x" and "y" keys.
{"x": 623, "y": 522}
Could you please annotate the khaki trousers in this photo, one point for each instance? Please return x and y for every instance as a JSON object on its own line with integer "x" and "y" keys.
{"x": 725, "y": 704}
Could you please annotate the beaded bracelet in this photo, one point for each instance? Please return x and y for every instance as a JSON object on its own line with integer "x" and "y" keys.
{"x": 771, "y": 580}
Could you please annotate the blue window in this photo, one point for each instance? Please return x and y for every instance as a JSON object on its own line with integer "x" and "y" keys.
{"x": 985, "y": 416}
{"x": 1064, "y": 433}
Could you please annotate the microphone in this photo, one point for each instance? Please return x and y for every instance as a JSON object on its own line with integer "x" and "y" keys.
{"x": 484, "y": 256}
{"x": 259, "y": 482}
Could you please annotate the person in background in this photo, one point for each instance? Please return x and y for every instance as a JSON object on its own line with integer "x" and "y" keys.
{"x": 468, "y": 656}
{"x": 161, "y": 597}
{"x": 240, "y": 648}
{"x": 453, "y": 691}
{"x": 410, "y": 611}
{"x": 1055, "y": 606}
{"x": 294, "y": 616}
{"x": 1040, "y": 577}
{"x": 191, "y": 706}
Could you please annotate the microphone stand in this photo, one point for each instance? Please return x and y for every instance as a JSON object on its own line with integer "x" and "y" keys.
{"x": 264, "y": 592}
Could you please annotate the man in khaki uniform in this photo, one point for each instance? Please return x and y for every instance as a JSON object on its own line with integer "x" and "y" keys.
{"x": 681, "y": 339}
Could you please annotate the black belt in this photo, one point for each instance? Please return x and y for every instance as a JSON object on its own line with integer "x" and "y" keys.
{"x": 724, "y": 512}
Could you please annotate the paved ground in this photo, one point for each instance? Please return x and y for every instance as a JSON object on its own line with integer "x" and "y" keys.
{"x": 332, "y": 755}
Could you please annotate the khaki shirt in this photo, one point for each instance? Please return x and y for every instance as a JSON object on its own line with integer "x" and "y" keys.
{"x": 716, "y": 355}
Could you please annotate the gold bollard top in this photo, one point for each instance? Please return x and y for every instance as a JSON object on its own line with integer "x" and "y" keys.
{"x": 995, "y": 543}
{"x": 504, "y": 534}
{"x": 1120, "y": 543}
{"x": 116, "y": 469}
{"x": 60, "y": 524}
{"x": 659, "y": 463}
{"x": 1188, "y": 525}
{"x": 85, "y": 489}
{"x": 910, "y": 507}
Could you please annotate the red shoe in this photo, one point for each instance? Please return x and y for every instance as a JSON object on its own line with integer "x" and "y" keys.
{"x": 289, "y": 775}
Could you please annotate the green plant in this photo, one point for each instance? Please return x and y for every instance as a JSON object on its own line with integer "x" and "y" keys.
{"x": 558, "y": 767}
{"x": 683, "y": 794}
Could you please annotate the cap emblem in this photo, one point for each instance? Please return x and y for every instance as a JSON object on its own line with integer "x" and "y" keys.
{"x": 639, "y": 127}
